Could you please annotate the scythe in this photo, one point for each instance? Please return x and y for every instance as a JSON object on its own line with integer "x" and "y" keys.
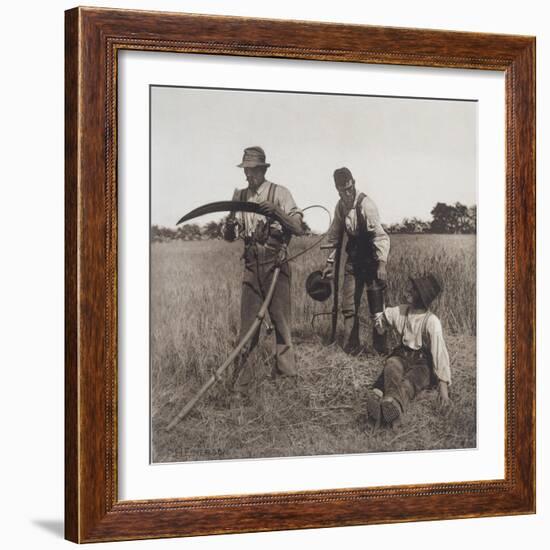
{"x": 336, "y": 290}
{"x": 335, "y": 302}
{"x": 219, "y": 371}
{"x": 240, "y": 206}
{"x": 231, "y": 206}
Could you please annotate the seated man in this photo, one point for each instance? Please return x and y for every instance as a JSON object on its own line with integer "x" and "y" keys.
{"x": 419, "y": 362}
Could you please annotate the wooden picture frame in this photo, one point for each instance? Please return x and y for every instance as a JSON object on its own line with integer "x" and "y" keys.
{"x": 93, "y": 511}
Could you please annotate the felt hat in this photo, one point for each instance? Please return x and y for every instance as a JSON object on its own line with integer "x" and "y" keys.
{"x": 252, "y": 157}
{"x": 318, "y": 288}
{"x": 428, "y": 288}
{"x": 342, "y": 176}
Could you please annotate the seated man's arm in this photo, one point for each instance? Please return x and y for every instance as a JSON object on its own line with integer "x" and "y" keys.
{"x": 386, "y": 318}
{"x": 440, "y": 358}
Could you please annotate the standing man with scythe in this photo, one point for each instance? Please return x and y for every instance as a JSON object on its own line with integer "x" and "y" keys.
{"x": 367, "y": 248}
{"x": 265, "y": 243}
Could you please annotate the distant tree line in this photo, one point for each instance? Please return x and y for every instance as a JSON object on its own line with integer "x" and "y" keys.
{"x": 195, "y": 232}
{"x": 188, "y": 232}
{"x": 446, "y": 218}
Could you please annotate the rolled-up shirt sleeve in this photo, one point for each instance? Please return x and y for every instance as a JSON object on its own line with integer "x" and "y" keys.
{"x": 391, "y": 316}
{"x": 380, "y": 238}
{"x": 438, "y": 349}
{"x": 285, "y": 201}
{"x": 335, "y": 232}
{"x": 336, "y": 229}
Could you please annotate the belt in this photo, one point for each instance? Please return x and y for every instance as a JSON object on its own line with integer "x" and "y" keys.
{"x": 251, "y": 241}
{"x": 412, "y": 355}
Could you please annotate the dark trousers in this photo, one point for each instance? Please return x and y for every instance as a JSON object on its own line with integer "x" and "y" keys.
{"x": 358, "y": 276}
{"x": 258, "y": 273}
{"x": 406, "y": 373}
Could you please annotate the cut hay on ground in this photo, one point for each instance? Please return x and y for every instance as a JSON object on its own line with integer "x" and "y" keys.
{"x": 194, "y": 324}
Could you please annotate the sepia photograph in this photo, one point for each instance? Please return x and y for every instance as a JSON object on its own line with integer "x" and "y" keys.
{"x": 312, "y": 273}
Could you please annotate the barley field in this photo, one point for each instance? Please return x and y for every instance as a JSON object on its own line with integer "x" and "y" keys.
{"x": 195, "y": 301}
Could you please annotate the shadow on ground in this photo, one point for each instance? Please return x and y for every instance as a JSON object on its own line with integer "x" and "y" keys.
{"x": 55, "y": 527}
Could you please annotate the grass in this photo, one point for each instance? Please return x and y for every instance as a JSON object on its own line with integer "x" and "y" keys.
{"x": 195, "y": 320}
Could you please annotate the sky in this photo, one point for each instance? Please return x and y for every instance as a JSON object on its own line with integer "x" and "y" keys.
{"x": 406, "y": 154}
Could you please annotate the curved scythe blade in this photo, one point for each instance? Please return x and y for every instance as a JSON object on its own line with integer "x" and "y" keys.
{"x": 232, "y": 206}
{"x": 221, "y": 206}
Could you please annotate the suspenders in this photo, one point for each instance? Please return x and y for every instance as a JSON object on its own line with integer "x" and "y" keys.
{"x": 423, "y": 329}
{"x": 360, "y": 247}
{"x": 361, "y": 222}
{"x": 271, "y": 192}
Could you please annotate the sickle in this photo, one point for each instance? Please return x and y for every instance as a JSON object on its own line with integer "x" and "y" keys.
{"x": 234, "y": 206}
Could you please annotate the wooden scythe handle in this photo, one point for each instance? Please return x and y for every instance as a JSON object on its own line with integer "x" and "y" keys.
{"x": 219, "y": 371}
